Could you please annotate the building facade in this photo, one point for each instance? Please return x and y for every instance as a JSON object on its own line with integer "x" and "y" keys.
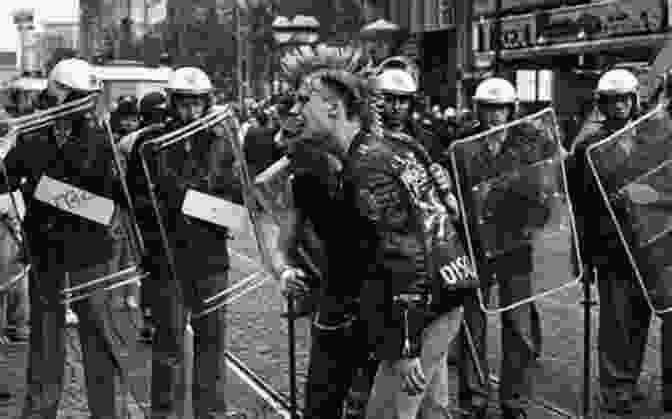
{"x": 555, "y": 51}
{"x": 8, "y": 66}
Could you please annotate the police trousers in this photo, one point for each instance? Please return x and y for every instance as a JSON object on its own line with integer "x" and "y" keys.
{"x": 170, "y": 312}
{"x": 389, "y": 401}
{"x": 521, "y": 346}
{"x": 623, "y": 326}
{"x": 46, "y": 360}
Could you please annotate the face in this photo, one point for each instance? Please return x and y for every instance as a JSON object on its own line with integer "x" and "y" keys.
{"x": 618, "y": 107}
{"x": 493, "y": 115}
{"x": 397, "y": 109}
{"x": 319, "y": 110}
{"x": 189, "y": 108}
{"x": 59, "y": 91}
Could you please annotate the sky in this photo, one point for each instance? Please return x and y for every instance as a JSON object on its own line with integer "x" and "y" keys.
{"x": 51, "y": 10}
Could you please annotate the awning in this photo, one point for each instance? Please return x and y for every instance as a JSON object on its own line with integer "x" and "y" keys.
{"x": 484, "y": 59}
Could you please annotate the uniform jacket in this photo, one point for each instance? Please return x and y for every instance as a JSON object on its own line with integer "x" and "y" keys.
{"x": 521, "y": 206}
{"x": 597, "y": 232}
{"x": 57, "y": 238}
{"x": 204, "y": 162}
{"x": 399, "y": 219}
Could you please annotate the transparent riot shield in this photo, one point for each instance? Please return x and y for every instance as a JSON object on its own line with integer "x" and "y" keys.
{"x": 633, "y": 170}
{"x": 519, "y": 221}
{"x": 15, "y": 263}
{"x": 217, "y": 239}
{"x": 273, "y": 190}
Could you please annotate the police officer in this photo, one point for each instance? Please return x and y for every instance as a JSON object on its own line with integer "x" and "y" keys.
{"x": 624, "y": 313}
{"x": 76, "y": 152}
{"x": 152, "y": 112}
{"x": 125, "y": 119}
{"x": 25, "y": 92}
{"x": 399, "y": 90}
{"x": 153, "y": 107}
{"x": 495, "y": 102}
{"x": 200, "y": 251}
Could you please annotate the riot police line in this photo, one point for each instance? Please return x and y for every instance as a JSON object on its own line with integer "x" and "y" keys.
{"x": 498, "y": 197}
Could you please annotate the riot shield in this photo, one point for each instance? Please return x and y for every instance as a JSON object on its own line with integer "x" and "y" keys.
{"x": 98, "y": 209}
{"x": 201, "y": 196}
{"x": 274, "y": 193}
{"x": 217, "y": 240}
{"x": 633, "y": 172}
{"x": 519, "y": 221}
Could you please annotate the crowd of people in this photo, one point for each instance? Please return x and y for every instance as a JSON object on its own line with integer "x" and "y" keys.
{"x": 391, "y": 280}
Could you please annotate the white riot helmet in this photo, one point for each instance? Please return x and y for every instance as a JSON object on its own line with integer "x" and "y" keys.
{"x": 189, "y": 81}
{"x": 397, "y": 82}
{"x": 496, "y": 91}
{"x": 75, "y": 74}
{"x": 618, "y": 82}
{"x": 403, "y": 63}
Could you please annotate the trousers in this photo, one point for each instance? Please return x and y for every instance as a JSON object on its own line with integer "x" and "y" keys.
{"x": 623, "y": 326}
{"x": 46, "y": 360}
{"x": 521, "y": 345}
{"x": 389, "y": 401}
{"x": 170, "y": 315}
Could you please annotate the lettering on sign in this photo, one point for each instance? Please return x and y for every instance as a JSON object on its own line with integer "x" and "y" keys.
{"x": 601, "y": 20}
{"x": 75, "y": 200}
{"x": 518, "y": 32}
{"x": 216, "y": 210}
{"x": 459, "y": 270}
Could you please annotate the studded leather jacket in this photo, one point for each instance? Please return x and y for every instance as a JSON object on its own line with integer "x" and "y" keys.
{"x": 399, "y": 218}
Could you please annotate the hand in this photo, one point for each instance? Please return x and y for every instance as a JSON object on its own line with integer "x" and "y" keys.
{"x": 642, "y": 194}
{"x": 413, "y": 380}
{"x": 292, "y": 282}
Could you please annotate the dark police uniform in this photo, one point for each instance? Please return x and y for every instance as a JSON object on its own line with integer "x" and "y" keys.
{"x": 624, "y": 312}
{"x": 521, "y": 328}
{"x": 62, "y": 244}
{"x": 201, "y": 259}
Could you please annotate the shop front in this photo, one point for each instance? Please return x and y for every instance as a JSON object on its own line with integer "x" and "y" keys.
{"x": 556, "y": 55}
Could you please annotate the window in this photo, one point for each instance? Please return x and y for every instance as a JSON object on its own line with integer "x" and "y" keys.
{"x": 534, "y": 85}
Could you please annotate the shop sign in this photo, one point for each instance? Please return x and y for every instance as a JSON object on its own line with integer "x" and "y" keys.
{"x": 489, "y": 7}
{"x": 518, "y": 32}
{"x": 601, "y": 20}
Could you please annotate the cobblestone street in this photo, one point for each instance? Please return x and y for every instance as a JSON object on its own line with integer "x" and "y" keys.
{"x": 258, "y": 337}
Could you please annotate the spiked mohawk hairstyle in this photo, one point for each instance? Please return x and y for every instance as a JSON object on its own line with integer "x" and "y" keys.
{"x": 347, "y": 66}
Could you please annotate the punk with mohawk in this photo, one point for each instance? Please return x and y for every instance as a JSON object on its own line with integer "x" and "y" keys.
{"x": 382, "y": 292}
